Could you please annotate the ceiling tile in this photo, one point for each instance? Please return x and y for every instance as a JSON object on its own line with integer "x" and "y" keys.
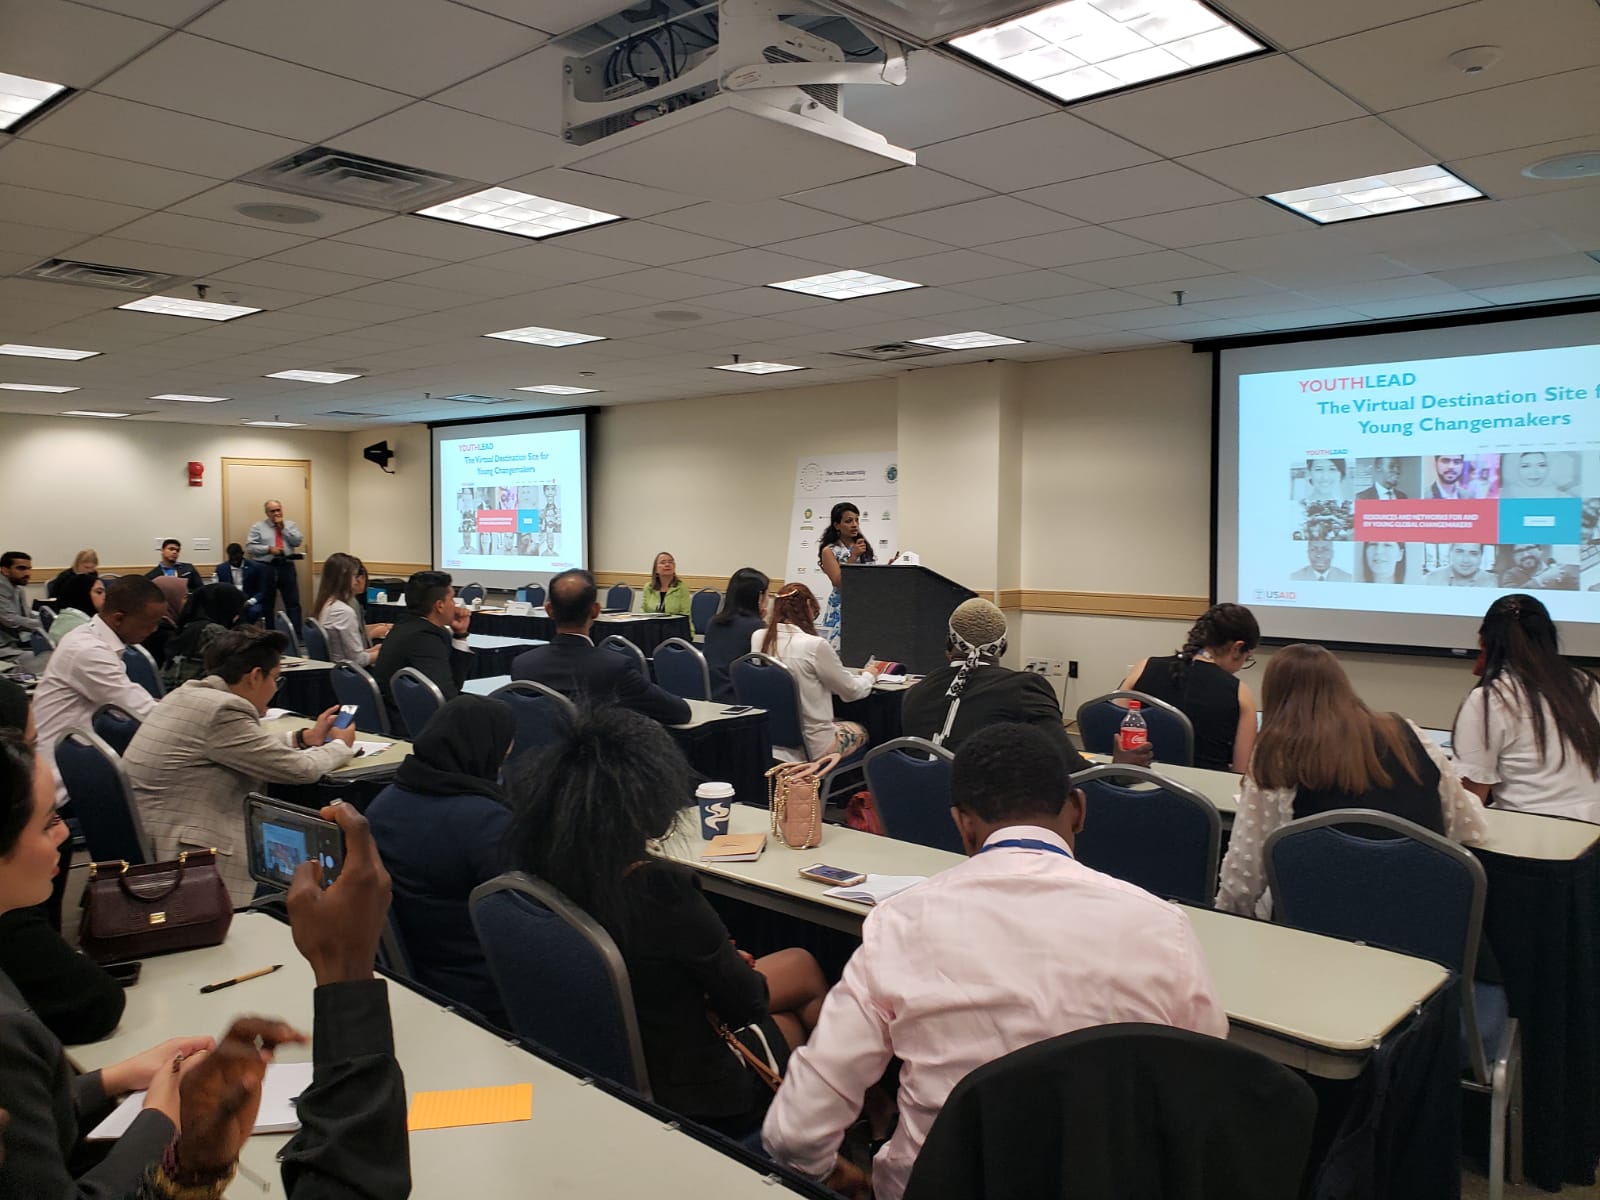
{"x": 1033, "y": 153}
{"x": 1144, "y": 268}
{"x": 224, "y": 83}
{"x": 551, "y": 16}
{"x": 36, "y": 241}
{"x": 1518, "y": 114}
{"x": 32, "y": 207}
{"x": 1574, "y": 213}
{"x": 550, "y": 263}
{"x": 759, "y": 267}
{"x": 335, "y": 254}
{"x": 455, "y": 142}
{"x": 196, "y": 233}
{"x": 1024, "y": 288}
{"x": 74, "y": 173}
{"x": 1550, "y": 289}
{"x": 441, "y": 44}
{"x": 1089, "y": 304}
{"x": 890, "y": 194}
{"x": 1132, "y": 192}
{"x": 661, "y": 284}
{"x": 1212, "y": 223}
{"x": 760, "y": 301}
{"x": 164, "y": 12}
{"x": 919, "y": 302}
{"x": 1209, "y": 287}
{"x": 644, "y": 242}
{"x": 144, "y": 256}
{"x": 1310, "y": 318}
{"x": 1070, "y": 246}
{"x": 1308, "y": 157}
{"x": 861, "y": 246}
{"x": 310, "y": 280}
{"x": 1302, "y": 24}
{"x": 1480, "y": 251}
{"x": 1356, "y": 295}
{"x": 979, "y": 220}
{"x": 525, "y": 91}
{"x": 141, "y": 133}
{"x": 1222, "y": 107}
{"x": 474, "y": 279}
{"x": 223, "y": 204}
{"x": 1498, "y": 175}
{"x": 950, "y": 266}
{"x": 1417, "y": 306}
{"x": 1565, "y": 266}
{"x": 439, "y": 240}
{"x": 942, "y": 98}
{"x": 1455, "y": 223}
{"x": 70, "y": 44}
{"x": 754, "y": 224}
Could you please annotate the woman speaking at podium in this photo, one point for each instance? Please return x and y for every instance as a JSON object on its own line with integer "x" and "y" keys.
{"x": 841, "y": 543}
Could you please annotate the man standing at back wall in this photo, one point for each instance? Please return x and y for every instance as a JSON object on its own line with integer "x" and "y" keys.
{"x": 271, "y": 542}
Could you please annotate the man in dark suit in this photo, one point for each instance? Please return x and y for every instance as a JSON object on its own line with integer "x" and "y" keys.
{"x": 574, "y": 667}
{"x": 1385, "y": 481}
{"x": 432, "y": 637}
{"x": 169, "y": 565}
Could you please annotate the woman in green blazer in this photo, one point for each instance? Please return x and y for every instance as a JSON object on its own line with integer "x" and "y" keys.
{"x": 666, "y": 593}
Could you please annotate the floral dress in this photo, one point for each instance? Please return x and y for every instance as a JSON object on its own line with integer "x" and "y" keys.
{"x": 831, "y": 614}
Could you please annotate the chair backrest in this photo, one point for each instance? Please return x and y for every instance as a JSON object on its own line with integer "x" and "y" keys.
{"x": 469, "y": 593}
{"x": 316, "y": 641}
{"x": 355, "y": 685}
{"x": 114, "y": 726}
{"x": 102, "y": 800}
{"x": 1171, "y": 733}
{"x": 682, "y": 669}
{"x": 560, "y": 976}
{"x": 1115, "y": 1111}
{"x": 417, "y": 697}
{"x": 540, "y": 714}
{"x": 1412, "y": 891}
{"x": 142, "y": 669}
{"x": 282, "y": 623}
{"x": 617, "y": 644}
{"x": 38, "y": 642}
{"x": 619, "y": 598}
{"x": 1150, "y": 831}
{"x": 533, "y": 594}
{"x": 47, "y": 615}
{"x": 763, "y": 682}
{"x": 910, "y": 783}
{"x": 703, "y": 606}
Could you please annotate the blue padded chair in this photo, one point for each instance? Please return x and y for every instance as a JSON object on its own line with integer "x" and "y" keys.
{"x": 142, "y": 669}
{"x": 1145, "y": 829}
{"x": 417, "y": 697}
{"x": 703, "y": 606}
{"x": 910, "y": 782}
{"x": 1171, "y": 733}
{"x": 47, "y": 616}
{"x": 540, "y": 713}
{"x": 316, "y": 641}
{"x": 1423, "y": 895}
{"x": 355, "y": 685}
{"x": 560, "y": 976}
{"x": 682, "y": 669}
{"x": 102, "y": 799}
{"x": 469, "y": 593}
{"x": 282, "y": 623}
{"x": 115, "y": 726}
{"x": 619, "y": 598}
{"x": 617, "y": 644}
{"x": 532, "y": 594}
{"x": 38, "y": 642}
{"x": 762, "y": 681}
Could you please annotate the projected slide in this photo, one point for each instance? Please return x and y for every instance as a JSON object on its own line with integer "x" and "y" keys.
{"x": 1422, "y": 487}
{"x": 510, "y": 502}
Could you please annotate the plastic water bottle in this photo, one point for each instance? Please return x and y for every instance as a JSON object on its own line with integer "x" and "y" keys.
{"x": 1134, "y": 734}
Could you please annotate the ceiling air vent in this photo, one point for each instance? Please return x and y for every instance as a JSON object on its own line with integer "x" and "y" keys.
{"x": 99, "y": 275}
{"x": 469, "y": 398}
{"x": 890, "y": 351}
{"x": 355, "y": 179}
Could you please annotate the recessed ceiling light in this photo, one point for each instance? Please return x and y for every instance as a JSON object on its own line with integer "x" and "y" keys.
{"x": 1084, "y": 48}
{"x": 21, "y": 96}
{"x": 89, "y": 412}
{"x": 969, "y": 341}
{"x": 45, "y": 352}
{"x": 1377, "y": 195}
{"x": 845, "y": 285}
{"x": 312, "y": 376}
{"x": 1585, "y": 164}
{"x": 517, "y": 212}
{"x": 557, "y": 389}
{"x": 279, "y": 214}
{"x": 190, "y": 399}
{"x": 538, "y": 335}
{"x": 276, "y": 424}
{"x": 178, "y": 306}
{"x": 34, "y": 387}
{"x": 757, "y": 368}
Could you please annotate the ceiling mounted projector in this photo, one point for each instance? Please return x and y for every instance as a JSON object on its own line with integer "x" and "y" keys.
{"x": 737, "y": 100}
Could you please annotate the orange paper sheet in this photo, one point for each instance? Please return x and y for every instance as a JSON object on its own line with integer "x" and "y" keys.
{"x": 471, "y": 1106}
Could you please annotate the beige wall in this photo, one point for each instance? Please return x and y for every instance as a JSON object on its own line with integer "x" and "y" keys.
{"x": 391, "y": 515}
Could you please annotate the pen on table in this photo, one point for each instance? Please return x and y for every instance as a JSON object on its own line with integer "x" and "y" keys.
{"x": 226, "y": 983}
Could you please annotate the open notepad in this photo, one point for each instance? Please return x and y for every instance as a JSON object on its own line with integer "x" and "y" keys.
{"x": 875, "y": 889}
{"x": 279, "y": 1090}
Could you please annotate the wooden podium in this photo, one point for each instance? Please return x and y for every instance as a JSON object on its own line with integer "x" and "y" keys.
{"x": 899, "y": 613}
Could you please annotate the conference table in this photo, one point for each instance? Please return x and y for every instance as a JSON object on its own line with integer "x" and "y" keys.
{"x": 492, "y": 653}
{"x": 644, "y": 630}
{"x": 357, "y": 782}
{"x": 584, "y": 1139}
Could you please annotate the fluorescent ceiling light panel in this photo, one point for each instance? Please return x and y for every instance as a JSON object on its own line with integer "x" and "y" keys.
{"x": 177, "y": 306}
{"x": 969, "y": 341}
{"x": 538, "y": 335}
{"x": 845, "y": 285}
{"x": 312, "y": 376}
{"x": 517, "y": 212}
{"x": 276, "y": 424}
{"x": 757, "y": 368}
{"x": 45, "y": 352}
{"x": 20, "y": 96}
{"x": 89, "y": 412}
{"x": 1083, "y": 48}
{"x": 34, "y": 387}
{"x": 557, "y": 389}
{"x": 191, "y": 399}
{"x": 1376, "y": 195}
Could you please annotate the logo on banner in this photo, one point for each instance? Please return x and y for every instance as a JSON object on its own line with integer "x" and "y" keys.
{"x": 892, "y": 473}
{"x": 812, "y": 477}
{"x": 808, "y": 514}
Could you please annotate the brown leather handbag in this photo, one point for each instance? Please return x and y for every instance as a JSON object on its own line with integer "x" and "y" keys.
{"x": 134, "y": 912}
{"x": 794, "y": 795}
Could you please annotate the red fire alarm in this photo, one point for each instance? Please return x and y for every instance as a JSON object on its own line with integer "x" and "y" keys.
{"x": 197, "y": 473}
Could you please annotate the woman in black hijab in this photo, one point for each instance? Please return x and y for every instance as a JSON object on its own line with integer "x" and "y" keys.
{"x": 210, "y": 610}
{"x": 439, "y": 827}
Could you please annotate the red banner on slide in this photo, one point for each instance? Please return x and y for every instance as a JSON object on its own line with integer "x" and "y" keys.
{"x": 497, "y": 520}
{"x": 1427, "y": 521}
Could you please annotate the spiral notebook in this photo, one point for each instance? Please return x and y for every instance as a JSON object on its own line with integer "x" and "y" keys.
{"x": 279, "y": 1090}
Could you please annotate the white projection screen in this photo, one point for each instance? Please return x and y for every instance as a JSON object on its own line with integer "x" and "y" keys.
{"x": 510, "y": 499}
{"x": 1383, "y": 490}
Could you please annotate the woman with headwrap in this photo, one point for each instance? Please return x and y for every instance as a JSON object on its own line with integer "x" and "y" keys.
{"x": 439, "y": 827}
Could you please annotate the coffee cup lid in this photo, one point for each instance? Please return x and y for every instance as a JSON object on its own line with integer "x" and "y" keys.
{"x": 714, "y": 791}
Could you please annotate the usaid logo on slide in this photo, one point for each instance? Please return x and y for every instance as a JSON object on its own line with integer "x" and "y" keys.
{"x": 1270, "y": 594}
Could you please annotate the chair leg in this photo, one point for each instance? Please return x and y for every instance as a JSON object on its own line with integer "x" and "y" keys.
{"x": 1501, "y": 1078}
{"x": 1516, "y": 1111}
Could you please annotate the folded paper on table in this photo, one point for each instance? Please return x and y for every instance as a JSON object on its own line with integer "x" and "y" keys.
{"x": 471, "y": 1106}
{"x": 368, "y": 749}
{"x": 279, "y": 1090}
{"x": 875, "y": 889}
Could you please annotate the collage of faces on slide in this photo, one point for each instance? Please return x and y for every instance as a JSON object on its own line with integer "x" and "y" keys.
{"x": 1552, "y": 494}
{"x": 523, "y": 520}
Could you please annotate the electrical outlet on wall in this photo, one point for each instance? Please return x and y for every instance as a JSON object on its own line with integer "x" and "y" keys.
{"x": 1037, "y": 666}
{"x": 202, "y": 544}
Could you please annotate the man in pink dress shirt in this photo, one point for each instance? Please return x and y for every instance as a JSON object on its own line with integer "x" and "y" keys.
{"x": 1018, "y": 944}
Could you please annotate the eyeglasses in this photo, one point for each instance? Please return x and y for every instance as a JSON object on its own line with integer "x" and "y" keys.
{"x": 1249, "y": 661}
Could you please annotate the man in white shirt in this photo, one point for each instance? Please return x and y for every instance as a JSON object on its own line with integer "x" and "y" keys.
{"x": 86, "y": 670}
{"x": 1385, "y": 481}
{"x": 1018, "y": 944}
{"x": 1319, "y": 564}
{"x": 272, "y": 542}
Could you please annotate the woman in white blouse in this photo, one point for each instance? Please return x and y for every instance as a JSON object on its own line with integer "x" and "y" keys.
{"x": 335, "y": 611}
{"x": 1320, "y": 748}
{"x": 791, "y": 638}
{"x": 1529, "y": 733}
